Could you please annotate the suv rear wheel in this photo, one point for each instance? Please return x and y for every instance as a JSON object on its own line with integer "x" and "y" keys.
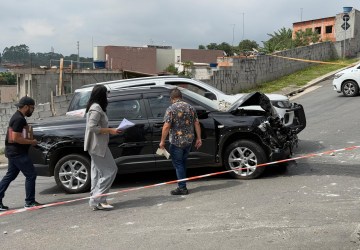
{"x": 350, "y": 88}
{"x": 72, "y": 173}
{"x": 242, "y": 156}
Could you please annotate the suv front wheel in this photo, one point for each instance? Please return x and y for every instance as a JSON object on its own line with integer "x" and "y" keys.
{"x": 350, "y": 88}
{"x": 72, "y": 173}
{"x": 242, "y": 157}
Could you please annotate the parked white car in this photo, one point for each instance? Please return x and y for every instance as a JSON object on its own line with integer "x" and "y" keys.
{"x": 347, "y": 81}
{"x": 81, "y": 96}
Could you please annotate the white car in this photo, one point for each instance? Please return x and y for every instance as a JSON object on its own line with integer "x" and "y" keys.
{"x": 81, "y": 96}
{"x": 347, "y": 81}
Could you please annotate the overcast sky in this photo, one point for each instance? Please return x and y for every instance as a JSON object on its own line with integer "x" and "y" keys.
{"x": 43, "y": 24}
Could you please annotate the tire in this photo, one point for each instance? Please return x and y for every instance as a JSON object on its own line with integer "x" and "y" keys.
{"x": 350, "y": 88}
{"x": 72, "y": 173}
{"x": 247, "y": 154}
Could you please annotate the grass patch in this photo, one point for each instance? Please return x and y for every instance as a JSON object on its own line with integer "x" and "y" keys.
{"x": 302, "y": 77}
{"x": 2, "y": 151}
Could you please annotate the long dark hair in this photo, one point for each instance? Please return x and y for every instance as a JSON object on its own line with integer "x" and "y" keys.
{"x": 99, "y": 96}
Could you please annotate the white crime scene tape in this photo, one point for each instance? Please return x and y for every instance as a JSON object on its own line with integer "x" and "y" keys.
{"x": 16, "y": 211}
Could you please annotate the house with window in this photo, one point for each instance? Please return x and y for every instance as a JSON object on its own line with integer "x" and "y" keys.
{"x": 325, "y": 27}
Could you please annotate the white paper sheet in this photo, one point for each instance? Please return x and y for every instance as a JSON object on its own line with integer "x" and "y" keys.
{"x": 163, "y": 152}
{"x": 124, "y": 124}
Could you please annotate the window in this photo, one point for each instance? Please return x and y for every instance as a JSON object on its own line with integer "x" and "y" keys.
{"x": 129, "y": 109}
{"x": 317, "y": 30}
{"x": 190, "y": 86}
{"x": 158, "y": 105}
{"x": 328, "y": 29}
{"x": 80, "y": 100}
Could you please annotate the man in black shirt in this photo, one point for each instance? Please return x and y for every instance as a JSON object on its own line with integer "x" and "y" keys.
{"x": 17, "y": 144}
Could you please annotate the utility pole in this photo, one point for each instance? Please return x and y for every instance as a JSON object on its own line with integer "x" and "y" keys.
{"x": 243, "y": 22}
{"x": 233, "y": 35}
{"x": 301, "y": 11}
{"x": 78, "y": 55}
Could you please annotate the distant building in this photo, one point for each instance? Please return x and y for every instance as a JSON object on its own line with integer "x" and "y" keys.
{"x": 151, "y": 59}
{"x": 333, "y": 28}
{"x": 325, "y": 27}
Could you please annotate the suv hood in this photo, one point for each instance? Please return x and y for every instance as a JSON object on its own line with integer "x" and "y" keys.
{"x": 253, "y": 99}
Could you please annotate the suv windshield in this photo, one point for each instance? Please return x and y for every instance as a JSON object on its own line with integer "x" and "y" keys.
{"x": 79, "y": 100}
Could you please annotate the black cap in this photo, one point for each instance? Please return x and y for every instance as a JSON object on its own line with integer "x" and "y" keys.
{"x": 25, "y": 101}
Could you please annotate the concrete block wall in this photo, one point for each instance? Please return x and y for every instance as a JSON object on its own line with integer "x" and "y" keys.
{"x": 42, "y": 111}
{"x": 251, "y": 72}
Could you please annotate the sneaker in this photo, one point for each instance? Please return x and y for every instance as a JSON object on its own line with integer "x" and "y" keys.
{"x": 102, "y": 206}
{"x": 3, "y": 208}
{"x": 179, "y": 191}
{"x": 32, "y": 204}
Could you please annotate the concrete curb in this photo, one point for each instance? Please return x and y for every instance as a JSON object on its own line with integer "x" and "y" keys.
{"x": 3, "y": 166}
{"x": 317, "y": 80}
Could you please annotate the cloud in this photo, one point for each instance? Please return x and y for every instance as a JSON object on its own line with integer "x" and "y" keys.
{"x": 38, "y": 28}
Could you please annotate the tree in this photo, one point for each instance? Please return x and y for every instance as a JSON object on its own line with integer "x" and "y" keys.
{"x": 280, "y": 40}
{"x": 7, "y": 78}
{"x": 247, "y": 45}
{"x": 16, "y": 54}
{"x": 187, "y": 67}
{"x": 304, "y": 38}
{"x": 172, "y": 69}
{"x": 202, "y": 46}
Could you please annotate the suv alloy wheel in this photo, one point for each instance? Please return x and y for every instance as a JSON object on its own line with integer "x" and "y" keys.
{"x": 243, "y": 156}
{"x": 72, "y": 173}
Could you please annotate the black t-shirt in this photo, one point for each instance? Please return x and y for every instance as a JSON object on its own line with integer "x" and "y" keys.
{"x": 17, "y": 123}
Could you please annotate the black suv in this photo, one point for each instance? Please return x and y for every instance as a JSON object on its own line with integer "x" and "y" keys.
{"x": 237, "y": 139}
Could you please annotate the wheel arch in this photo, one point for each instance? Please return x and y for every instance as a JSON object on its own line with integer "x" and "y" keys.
{"x": 240, "y": 136}
{"x": 64, "y": 151}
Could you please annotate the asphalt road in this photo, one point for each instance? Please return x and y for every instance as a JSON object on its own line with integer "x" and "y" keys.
{"x": 313, "y": 205}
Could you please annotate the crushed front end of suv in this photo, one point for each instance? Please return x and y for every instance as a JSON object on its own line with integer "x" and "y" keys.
{"x": 238, "y": 139}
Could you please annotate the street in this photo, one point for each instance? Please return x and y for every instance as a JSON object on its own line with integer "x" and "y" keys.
{"x": 313, "y": 205}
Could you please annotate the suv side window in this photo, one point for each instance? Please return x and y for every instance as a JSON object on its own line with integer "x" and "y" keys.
{"x": 129, "y": 109}
{"x": 158, "y": 105}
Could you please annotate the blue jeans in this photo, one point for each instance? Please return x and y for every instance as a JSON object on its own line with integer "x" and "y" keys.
{"x": 179, "y": 157}
{"x": 24, "y": 164}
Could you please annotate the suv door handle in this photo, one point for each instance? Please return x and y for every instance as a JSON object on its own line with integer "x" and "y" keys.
{"x": 158, "y": 125}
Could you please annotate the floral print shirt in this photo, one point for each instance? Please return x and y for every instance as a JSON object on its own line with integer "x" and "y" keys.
{"x": 181, "y": 116}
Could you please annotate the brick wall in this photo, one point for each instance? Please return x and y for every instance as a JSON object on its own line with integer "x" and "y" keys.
{"x": 140, "y": 59}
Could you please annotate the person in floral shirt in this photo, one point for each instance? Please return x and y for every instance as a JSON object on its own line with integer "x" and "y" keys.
{"x": 180, "y": 121}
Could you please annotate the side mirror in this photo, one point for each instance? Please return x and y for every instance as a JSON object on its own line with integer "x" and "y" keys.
{"x": 210, "y": 95}
{"x": 201, "y": 112}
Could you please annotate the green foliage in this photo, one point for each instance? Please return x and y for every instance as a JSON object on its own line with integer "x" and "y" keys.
{"x": 20, "y": 55}
{"x": 202, "y": 46}
{"x": 280, "y": 40}
{"x": 247, "y": 45}
{"x": 187, "y": 68}
{"x": 172, "y": 69}
{"x": 16, "y": 54}
{"x": 304, "y": 38}
{"x": 7, "y": 78}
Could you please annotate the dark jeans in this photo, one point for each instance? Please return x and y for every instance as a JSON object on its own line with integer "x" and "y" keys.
{"x": 179, "y": 157}
{"x": 24, "y": 164}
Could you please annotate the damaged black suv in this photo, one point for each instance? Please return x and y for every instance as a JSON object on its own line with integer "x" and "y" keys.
{"x": 247, "y": 134}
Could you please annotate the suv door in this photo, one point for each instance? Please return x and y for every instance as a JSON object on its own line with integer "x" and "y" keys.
{"x": 132, "y": 149}
{"x": 157, "y": 103}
